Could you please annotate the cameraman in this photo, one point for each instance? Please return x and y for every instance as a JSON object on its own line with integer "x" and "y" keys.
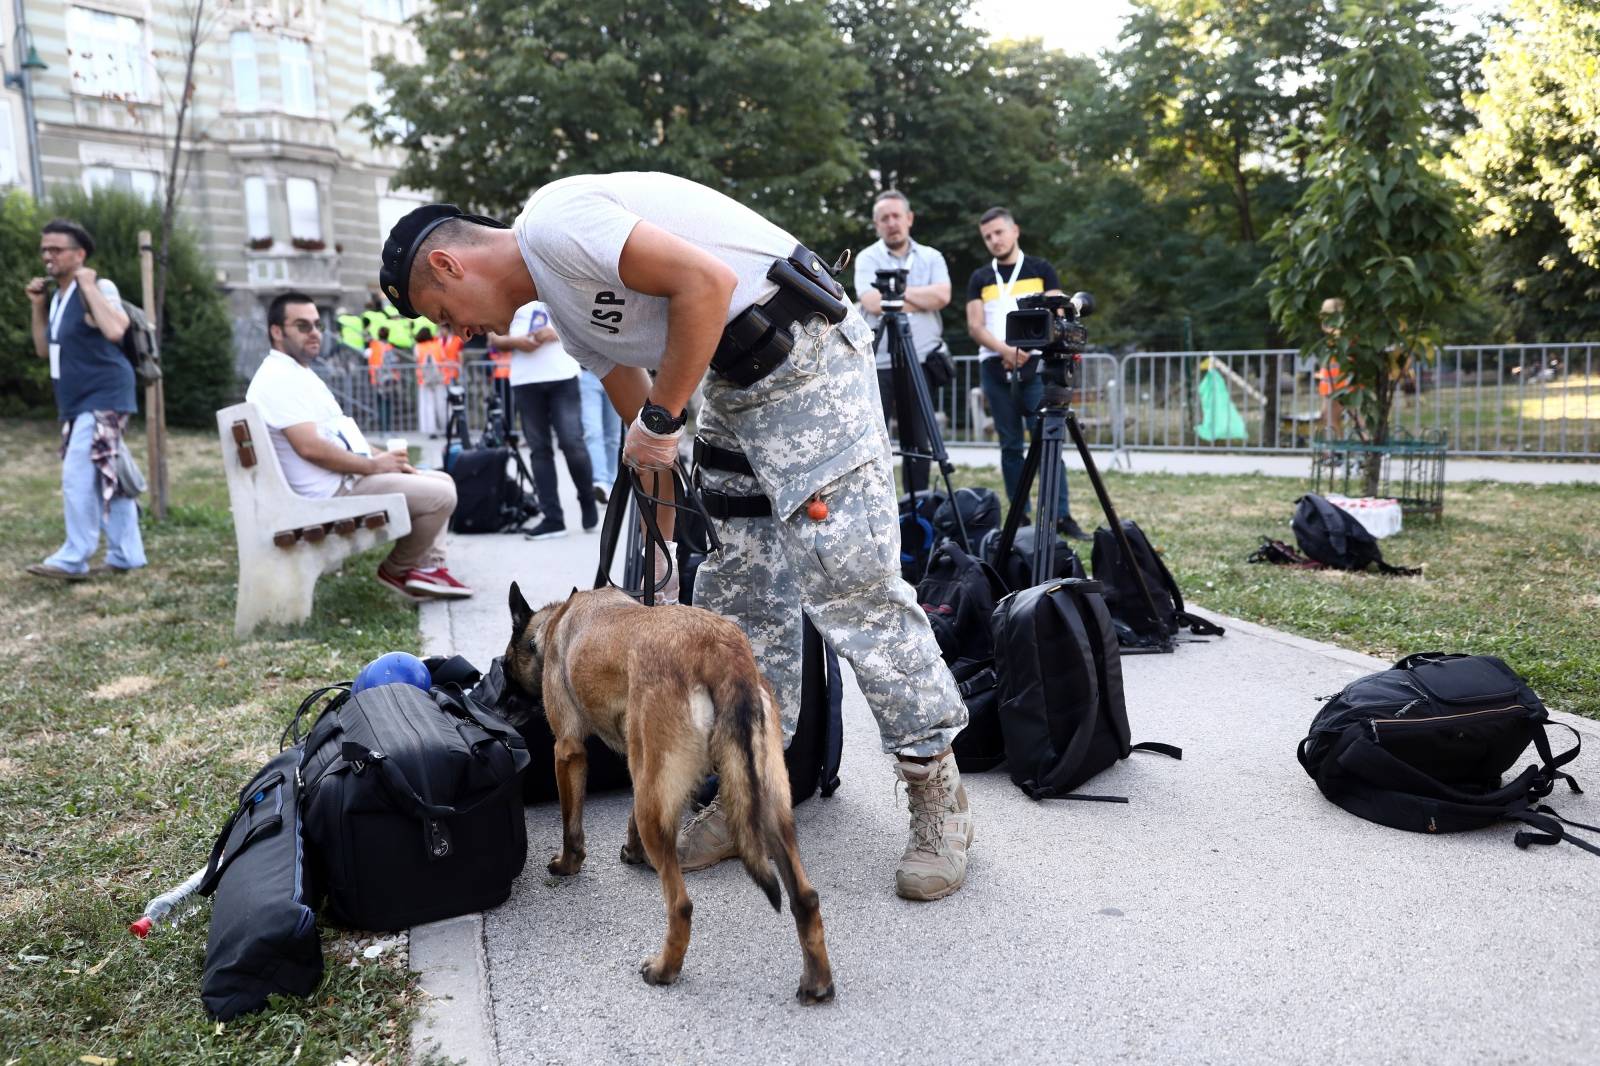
{"x": 1010, "y": 376}
{"x": 927, "y": 292}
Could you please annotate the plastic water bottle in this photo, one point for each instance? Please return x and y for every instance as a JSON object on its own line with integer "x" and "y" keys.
{"x": 163, "y": 910}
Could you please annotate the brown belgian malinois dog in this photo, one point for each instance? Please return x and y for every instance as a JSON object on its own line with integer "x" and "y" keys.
{"x": 676, "y": 690}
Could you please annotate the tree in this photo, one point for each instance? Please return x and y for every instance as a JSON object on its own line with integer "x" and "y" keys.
{"x": 1377, "y": 228}
{"x": 510, "y": 95}
{"x": 1533, "y": 167}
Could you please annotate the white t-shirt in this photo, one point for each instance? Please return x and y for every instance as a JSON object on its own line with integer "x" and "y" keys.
{"x": 550, "y": 361}
{"x": 571, "y": 235}
{"x": 288, "y": 394}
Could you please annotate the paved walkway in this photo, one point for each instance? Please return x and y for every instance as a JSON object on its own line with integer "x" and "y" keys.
{"x": 1228, "y": 914}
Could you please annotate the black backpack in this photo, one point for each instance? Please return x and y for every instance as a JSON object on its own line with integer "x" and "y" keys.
{"x": 1423, "y": 746}
{"x": 412, "y": 805}
{"x": 139, "y": 345}
{"x": 1136, "y": 629}
{"x": 1334, "y": 537}
{"x": 979, "y": 510}
{"x": 263, "y": 937}
{"x": 1061, "y": 706}
{"x": 488, "y": 499}
{"x": 959, "y": 594}
{"x": 1016, "y": 569}
{"x": 917, "y": 533}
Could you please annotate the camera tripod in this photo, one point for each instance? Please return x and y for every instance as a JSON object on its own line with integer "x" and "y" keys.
{"x": 1051, "y": 424}
{"x": 920, "y": 441}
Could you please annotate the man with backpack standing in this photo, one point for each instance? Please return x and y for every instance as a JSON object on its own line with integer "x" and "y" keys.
{"x": 79, "y": 329}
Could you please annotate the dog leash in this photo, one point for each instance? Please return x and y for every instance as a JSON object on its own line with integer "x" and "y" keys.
{"x": 629, "y": 488}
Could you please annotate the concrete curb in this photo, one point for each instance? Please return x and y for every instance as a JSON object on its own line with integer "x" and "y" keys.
{"x": 456, "y": 1020}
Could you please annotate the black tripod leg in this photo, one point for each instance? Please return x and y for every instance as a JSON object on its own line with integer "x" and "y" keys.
{"x": 1052, "y": 473}
{"x": 1112, "y": 519}
{"x": 1019, "y": 502}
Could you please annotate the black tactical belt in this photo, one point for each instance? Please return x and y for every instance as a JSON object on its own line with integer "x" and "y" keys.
{"x": 757, "y": 341}
{"x": 723, "y": 505}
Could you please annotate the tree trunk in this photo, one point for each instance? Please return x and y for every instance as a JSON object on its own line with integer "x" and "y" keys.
{"x": 169, "y": 209}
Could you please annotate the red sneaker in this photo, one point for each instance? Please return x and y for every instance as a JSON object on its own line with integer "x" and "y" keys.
{"x": 436, "y": 582}
{"x": 398, "y": 584}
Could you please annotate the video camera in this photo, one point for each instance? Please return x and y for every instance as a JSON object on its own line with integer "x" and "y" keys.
{"x": 1050, "y": 324}
{"x": 891, "y": 283}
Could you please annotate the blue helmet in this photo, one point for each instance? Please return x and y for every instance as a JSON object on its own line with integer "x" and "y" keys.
{"x": 393, "y": 668}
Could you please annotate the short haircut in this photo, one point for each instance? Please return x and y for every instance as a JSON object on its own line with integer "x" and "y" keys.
{"x": 383, "y": 333}
{"x": 994, "y": 213}
{"x": 424, "y": 334}
{"x": 276, "y": 313}
{"x": 890, "y": 194}
{"x": 447, "y": 234}
{"x": 79, "y": 235}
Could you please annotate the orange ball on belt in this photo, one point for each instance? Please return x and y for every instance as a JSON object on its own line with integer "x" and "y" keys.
{"x": 817, "y": 508}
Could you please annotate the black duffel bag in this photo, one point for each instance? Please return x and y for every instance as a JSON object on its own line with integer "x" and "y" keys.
{"x": 1424, "y": 746}
{"x": 413, "y": 806}
{"x": 263, "y": 937}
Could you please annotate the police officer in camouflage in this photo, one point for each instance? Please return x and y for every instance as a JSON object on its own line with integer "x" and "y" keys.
{"x": 649, "y": 272}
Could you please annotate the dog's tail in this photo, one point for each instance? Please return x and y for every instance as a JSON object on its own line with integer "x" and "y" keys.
{"x": 739, "y": 739}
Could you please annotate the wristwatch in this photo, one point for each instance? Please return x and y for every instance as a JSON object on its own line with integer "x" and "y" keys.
{"x": 660, "y": 421}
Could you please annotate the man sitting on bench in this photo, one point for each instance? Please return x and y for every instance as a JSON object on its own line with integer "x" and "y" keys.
{"x": 323, "y": 453}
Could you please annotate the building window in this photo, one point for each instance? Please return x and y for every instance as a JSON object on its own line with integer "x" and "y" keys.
{"x": 294, "y": 69}
{"x": 246, "y": 76}
{"x": 392, "y": 10}
{"x": 145, "y": 184}
{"x": 257, "y": 222}
{"x": 305, "y": 213}
{"x": 10, "y": 166}
{"x": 108, "y": 57}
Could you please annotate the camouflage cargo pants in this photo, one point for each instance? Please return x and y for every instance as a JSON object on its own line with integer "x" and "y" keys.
{"x": 813, "y": 427}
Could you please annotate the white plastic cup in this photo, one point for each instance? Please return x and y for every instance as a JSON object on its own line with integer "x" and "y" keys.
{"x": 398, "y": 446}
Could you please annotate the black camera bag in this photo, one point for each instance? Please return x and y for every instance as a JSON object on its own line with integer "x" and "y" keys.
{"x": 1129, "y": 611}
{"x": 607, "y": 770}
{"x": 1334, "y": 537}
{"x": 1016, "y": 569}
{"x": 958, "y": 596}
{"x": 979, "y": 509}
{"x": 488, "y": 498}
{"x": 263, "y": 937}
{"x": 917, "y": 534}
{"x": 1061, "y": 707}
{"x": 413, "y": 806}
{"x": 1424, "y": 745}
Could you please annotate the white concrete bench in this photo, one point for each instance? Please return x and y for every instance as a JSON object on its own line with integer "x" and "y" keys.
{"x": 287, "y": 541}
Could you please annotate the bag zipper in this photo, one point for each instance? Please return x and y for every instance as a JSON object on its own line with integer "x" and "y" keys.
{"x": 1392, "y": 722}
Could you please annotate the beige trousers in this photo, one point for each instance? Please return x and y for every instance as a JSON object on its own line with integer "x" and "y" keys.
{"x": 431, "y": 499}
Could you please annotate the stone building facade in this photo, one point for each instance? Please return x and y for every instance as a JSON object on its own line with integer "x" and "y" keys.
{"x": 284, "y": 188}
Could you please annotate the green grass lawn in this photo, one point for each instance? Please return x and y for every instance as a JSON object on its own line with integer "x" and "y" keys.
{"x": 131, "y": 719}
{"x": 1511, "y": 570}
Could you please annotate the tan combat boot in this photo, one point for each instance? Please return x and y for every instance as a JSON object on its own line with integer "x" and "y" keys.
{"x": 935, "y": 861}
{"x": 705, "y": 839}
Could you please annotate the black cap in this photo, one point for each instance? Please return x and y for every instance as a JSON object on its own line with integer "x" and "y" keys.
{"x": 394, "y": 277}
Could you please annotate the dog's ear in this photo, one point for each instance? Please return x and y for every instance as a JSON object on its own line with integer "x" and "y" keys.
{"x": 520, "y": 611}
{"x": 574, "y": 592}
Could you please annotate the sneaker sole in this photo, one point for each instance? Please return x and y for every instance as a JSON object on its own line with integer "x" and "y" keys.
{"x": 705, "y": 864}
{"x": 61, "y": 576}
{"x": 403, "y": 593}
{"x": 434, "y": 592}
{"x": 546, "y": 536}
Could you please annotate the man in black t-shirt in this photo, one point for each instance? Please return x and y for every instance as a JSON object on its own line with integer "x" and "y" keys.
{"x": 1010, "y": 376}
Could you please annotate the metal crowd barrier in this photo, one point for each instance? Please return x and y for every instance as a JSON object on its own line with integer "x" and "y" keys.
{"x": 1530, "y": 400}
